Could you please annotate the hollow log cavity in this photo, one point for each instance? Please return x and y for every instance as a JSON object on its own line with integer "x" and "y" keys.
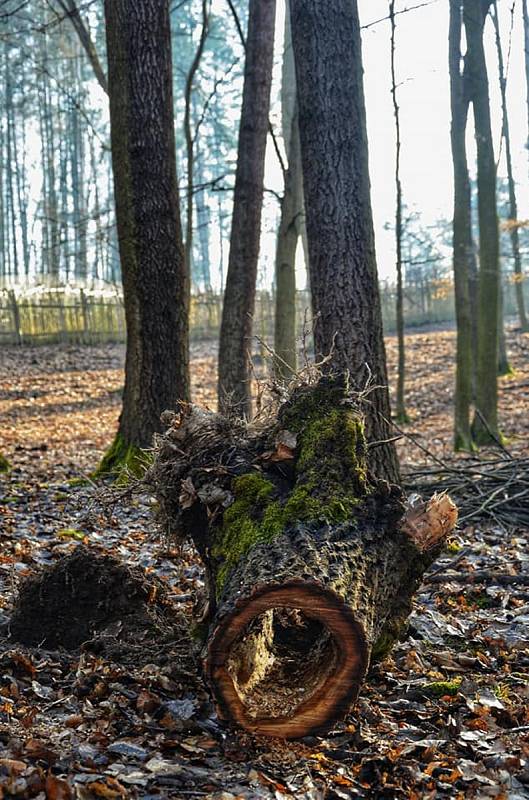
{"x": 312, "y": 562}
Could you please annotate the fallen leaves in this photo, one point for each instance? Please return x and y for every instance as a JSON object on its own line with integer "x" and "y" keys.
{"x": 97, "y": 728}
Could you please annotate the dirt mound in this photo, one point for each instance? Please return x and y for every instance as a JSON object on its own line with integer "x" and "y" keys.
{"x": 93, "y": 599}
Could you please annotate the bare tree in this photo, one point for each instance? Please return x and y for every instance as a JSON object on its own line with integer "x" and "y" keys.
{"x": 239, "y": 298}
{"x": 400, "y": 404}
{"x": 485, "y": 422}
{"x": 462, "y": 233}
{"x": 513, "y": 205}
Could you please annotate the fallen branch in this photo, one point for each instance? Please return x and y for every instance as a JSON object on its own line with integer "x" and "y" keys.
{"x": 497, "y": 490}
{"x": 479, "y": 576}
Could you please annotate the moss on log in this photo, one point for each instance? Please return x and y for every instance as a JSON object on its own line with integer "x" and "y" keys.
{"x": 312, "y": 561}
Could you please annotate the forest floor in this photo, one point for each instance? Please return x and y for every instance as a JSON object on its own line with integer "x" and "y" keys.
{"x": 446, "y": 715}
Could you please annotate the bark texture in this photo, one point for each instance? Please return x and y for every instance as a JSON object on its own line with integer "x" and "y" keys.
{"x": 462, "y": 233}
{"x": 485, "y": 422}
{"x": 400, "y": 404}
{"x": 312, "y": 560}
{"x": 343, "y": 272}
{"x": 292, "y": 220}
{"x": 513, "y": 204}
{"x": 239, "y": 296}
{"x": 155, "y": 279}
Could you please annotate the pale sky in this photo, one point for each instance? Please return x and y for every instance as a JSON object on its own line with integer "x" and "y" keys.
{"x": 423, "y": 95}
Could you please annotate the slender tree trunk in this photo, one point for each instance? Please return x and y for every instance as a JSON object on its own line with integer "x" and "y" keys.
{"x": 504, "y": 367}
{"x": 78, "y": 167}
{"x": 401, "y": 406}
{"x": 239, "y": 298}
{"x": 203, "y": 221}
{"x": 525, "y": 14}
{"x": 11, "y": 160}
{"x": 22, "y": 198}
{"x": 50, "y": 204}
{"x": 287, "y": 239}
{"x": 462, "y": 235}
{"x": 343, "y": 271}
{"x": 289, "y": 225}
{"x": 485, "y": 422}
{"x": 190, "y": 137}
{"x": 513, "y": 205}
{"x": 3, "y": 257}
{"x": 71, "y": 10}
{"x": 155, "y": 281}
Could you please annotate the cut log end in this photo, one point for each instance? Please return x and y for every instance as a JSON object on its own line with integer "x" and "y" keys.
{"x": 287, "y": 661}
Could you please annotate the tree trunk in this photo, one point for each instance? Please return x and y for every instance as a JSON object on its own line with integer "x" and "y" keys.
{"x": 525, "y": 14}
{"x": 400, "y": 404}
{"x": 312, "y": 561}
{"x": 155, "y": 281}
{"x": 343, "y": 272}
{"x": 485, "y": 422}
{"x": 462, "y": 235}
{"x": 513, "y": 205}
{"x": 239, "y": 298}
{"x": 190, "y": 137}
{"x": 504, "y": 368}
{"x": 289, "y": 226}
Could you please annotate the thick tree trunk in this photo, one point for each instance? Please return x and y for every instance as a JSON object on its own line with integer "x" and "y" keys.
{"x": 343, "y": 271}
{"x": 485, "y": 422}
{"x": 155, "y": 280}
{"x": 239, "y": 297}
{"x": 462, "y": 235}
{"x": 312, "y": 561}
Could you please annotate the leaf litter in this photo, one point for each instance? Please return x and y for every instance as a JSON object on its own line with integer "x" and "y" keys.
{"x": 447, "y": 715}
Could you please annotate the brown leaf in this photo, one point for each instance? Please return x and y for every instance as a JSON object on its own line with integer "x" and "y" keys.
{"x": 57, "y": 789}
{"x": 188, "y": 493}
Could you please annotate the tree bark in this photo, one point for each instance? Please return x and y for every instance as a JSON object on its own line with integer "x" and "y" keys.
{"x": 239, "y": 298}
{"x": 513, "y": 205}
{"x": 290, "y": 222}
{"x": 155, "y": 280}
{"x": 343, "y": 272}
{"x": 312, "y": 561}
{"x": 190, "y": 136}
{"x": 485, "y": 422}
{"x": 525, "y": 14}
{"x": 462, "y": 235}
{"x": 400, "y": 403}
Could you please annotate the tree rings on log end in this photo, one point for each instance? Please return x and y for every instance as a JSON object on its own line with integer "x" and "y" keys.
{"x": 288, "y": 661}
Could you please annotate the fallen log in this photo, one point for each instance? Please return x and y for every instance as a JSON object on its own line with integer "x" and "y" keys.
{"x": 312, "y": 562}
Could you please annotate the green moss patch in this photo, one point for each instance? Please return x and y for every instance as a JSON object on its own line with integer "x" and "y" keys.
{"x": 122, "y": 460}
{"x": 442, "y": 688}
{"x": 5, "y": 466}
{"x": 330, "y": 480}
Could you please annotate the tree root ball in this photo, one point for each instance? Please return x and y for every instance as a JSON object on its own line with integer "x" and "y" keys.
{"x": 89, "y": 596}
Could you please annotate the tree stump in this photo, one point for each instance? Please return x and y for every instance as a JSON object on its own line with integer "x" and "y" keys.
{"x": 312, "y": 562}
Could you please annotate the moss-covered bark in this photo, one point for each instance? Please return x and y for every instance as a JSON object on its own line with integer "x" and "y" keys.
{"x": 330, "y": 481}
{"x": 122, "y": 460}
{"x": 5, "y": 466}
